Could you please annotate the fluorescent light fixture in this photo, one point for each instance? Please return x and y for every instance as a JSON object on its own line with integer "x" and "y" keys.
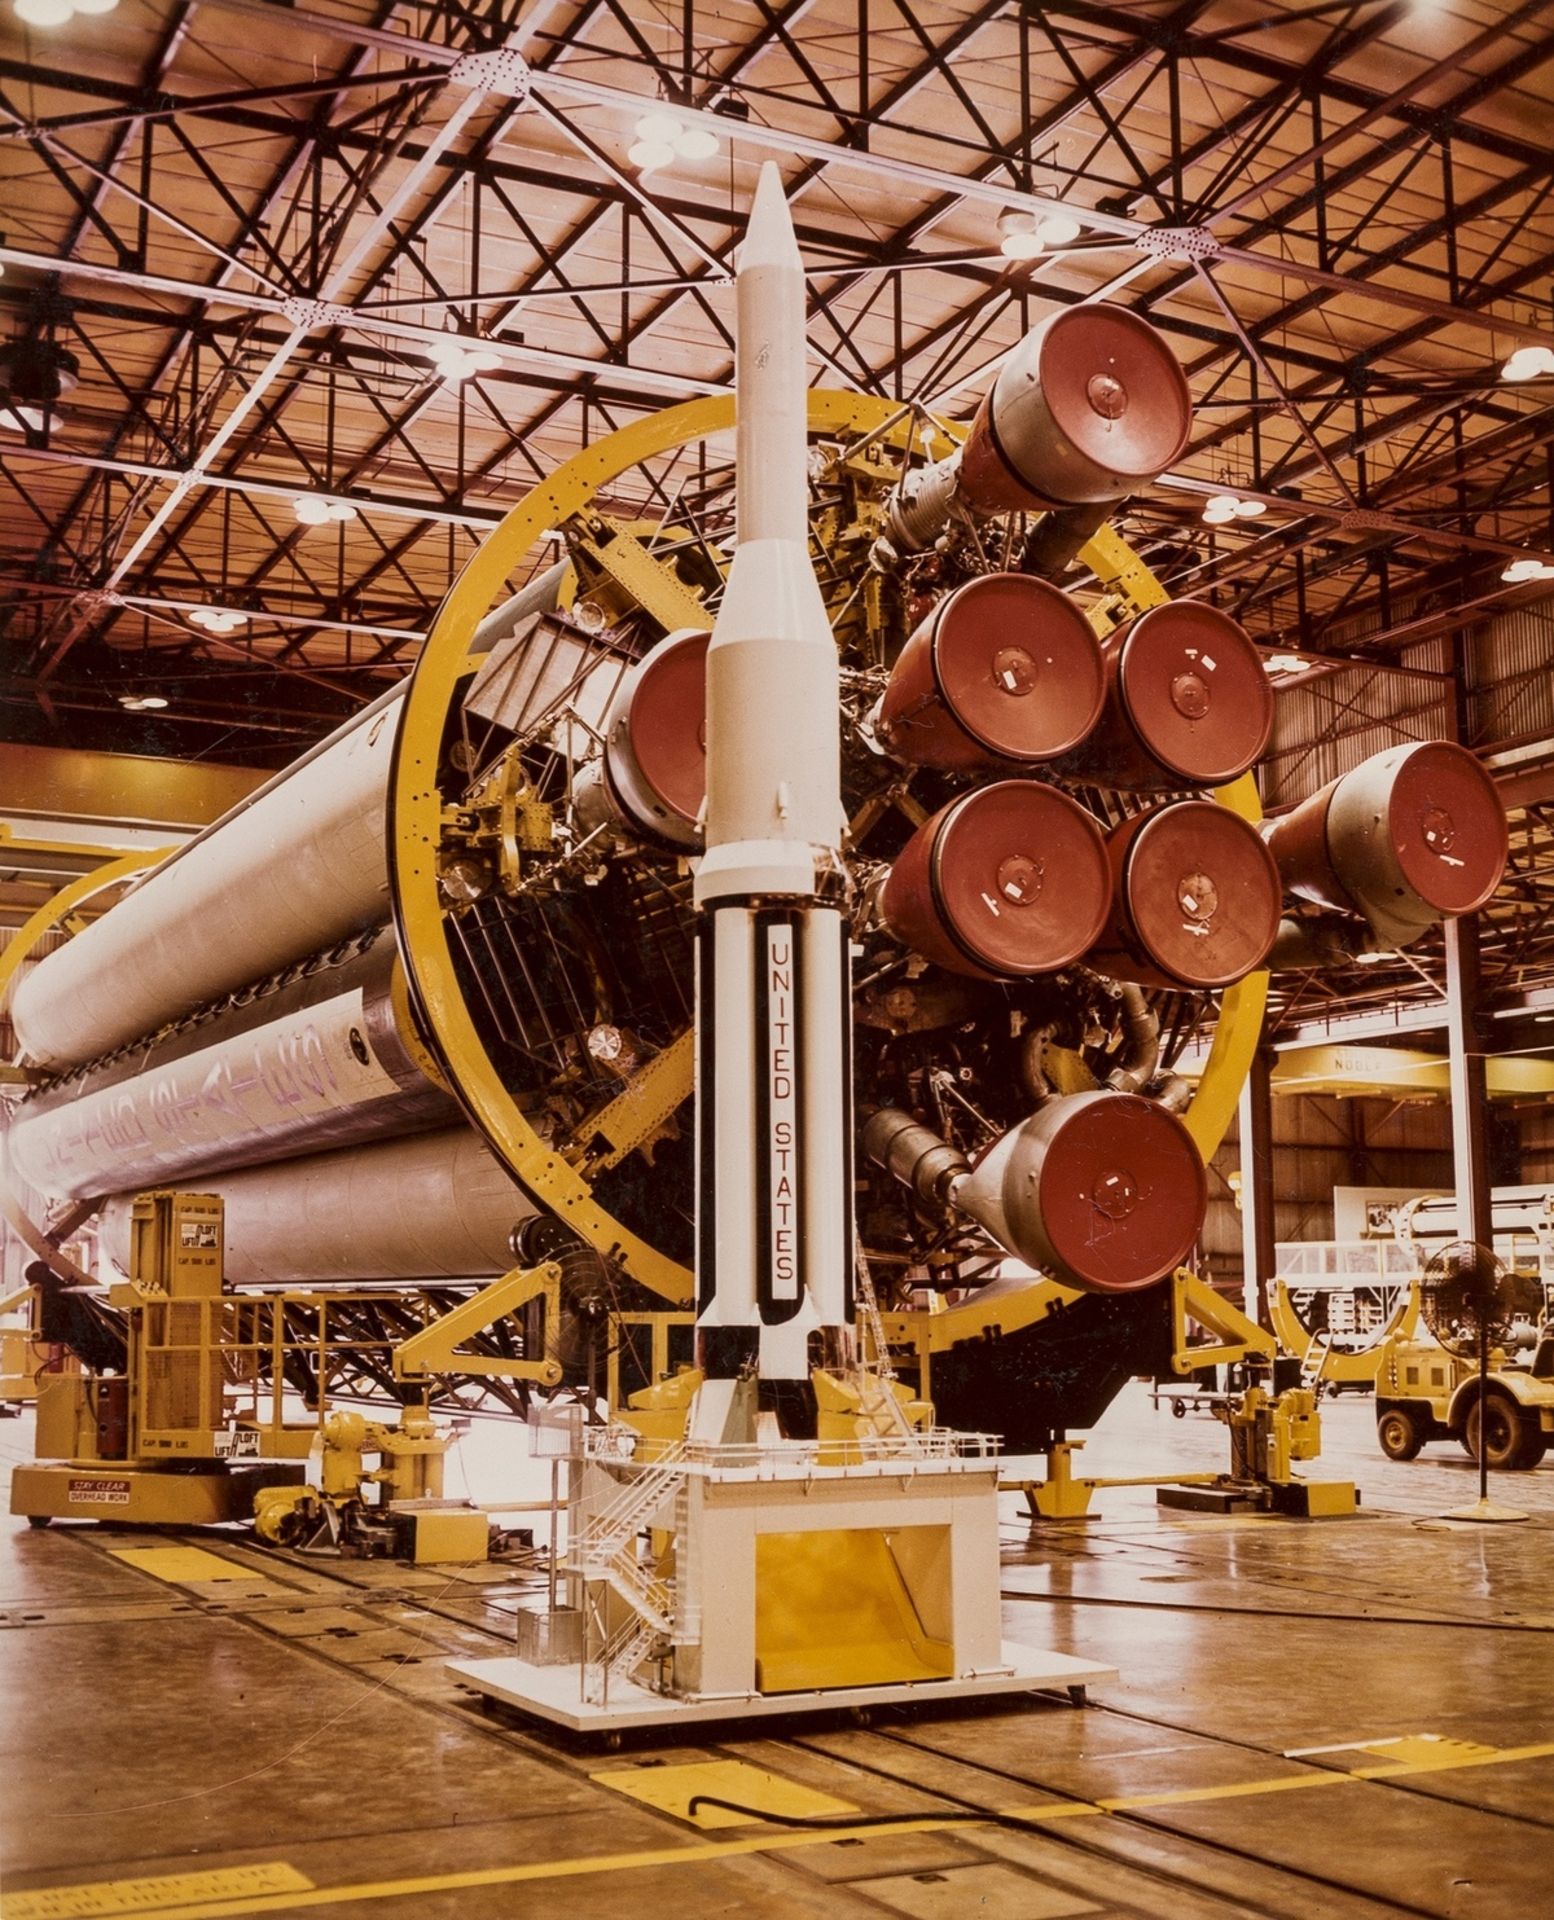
{"x": 1526, "y": 363}
{"x": 1528, "y": 569}
{"x": 17, "y": 417}
{"x": 1058, "y": 230}
{"x": 218, "y": 619}
{"x": 1018, "y": 239}
{"x": 647, "y": 156}
{"x": 1026, "y": 236}
{"x": 142, "y": 702}
{"x": 35, "y": 373}
{"x": 661, "y": 126}
{"x": 456, "y": 362}
{"x": 1370, "y": 959}
{"x": 1283, "y": 663}
{"x": 663, "y": 136}
{"x": 44, "y": 13}
{"x": 312, "y": 510}
{"x": 1221, "y": 507}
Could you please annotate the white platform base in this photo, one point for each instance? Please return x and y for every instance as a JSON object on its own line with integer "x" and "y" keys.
{"x": 551, "y": 1693}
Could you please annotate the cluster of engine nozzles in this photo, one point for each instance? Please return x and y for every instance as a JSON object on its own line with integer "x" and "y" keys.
{"x": 1015, "y": 878}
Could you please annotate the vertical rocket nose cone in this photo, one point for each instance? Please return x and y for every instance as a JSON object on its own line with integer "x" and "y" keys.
{"x": 769, "y": 237}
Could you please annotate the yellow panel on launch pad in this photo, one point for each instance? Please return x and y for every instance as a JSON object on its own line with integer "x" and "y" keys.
{"x": 833, "y": 1609}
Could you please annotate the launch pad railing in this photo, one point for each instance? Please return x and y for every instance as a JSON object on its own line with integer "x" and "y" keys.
{"x": 615, "y": 1446}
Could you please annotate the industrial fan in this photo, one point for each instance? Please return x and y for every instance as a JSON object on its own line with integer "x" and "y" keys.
{"x": 1472, "y": 1304}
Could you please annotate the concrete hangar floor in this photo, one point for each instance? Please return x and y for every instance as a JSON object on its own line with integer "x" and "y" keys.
{"x": 1347, "y": 1718}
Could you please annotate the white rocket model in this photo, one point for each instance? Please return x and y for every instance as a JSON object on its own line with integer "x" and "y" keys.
{"x": 774, "y": 1066}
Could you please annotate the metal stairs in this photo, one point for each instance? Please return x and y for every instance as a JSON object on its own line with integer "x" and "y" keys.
{"x": 605, "y": 1551}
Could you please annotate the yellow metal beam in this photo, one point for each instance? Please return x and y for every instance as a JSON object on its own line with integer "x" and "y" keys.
{"x": 435, "y": 1349}
{"x": 131, "y": 789}
{"x": 656, "y": 588}
{"x": 983, "y": 1315}
{"x": 648, "y": 1099}
{"x": 1194, "y": 1303}
{"x": 1397, "y": 1072}
{"x": 1338, "y": 1364}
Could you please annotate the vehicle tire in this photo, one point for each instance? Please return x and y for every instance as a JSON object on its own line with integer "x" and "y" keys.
{"x": 39, "y": 1519}
{"x": 1178, "y": 1409}
{"x": 1503, "y": 1425}
{"x": 1399, "y": 1433}
{"x": 1532, "y": 1445}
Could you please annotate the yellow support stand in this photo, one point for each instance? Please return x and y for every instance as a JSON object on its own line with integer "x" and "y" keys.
{"x": 436, "y": 1348}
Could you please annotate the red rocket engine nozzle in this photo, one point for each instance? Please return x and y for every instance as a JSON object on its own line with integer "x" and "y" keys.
{"x": 1004, "y": 671}
{"x": 652, "y": 775}
{"x": 1187, "y": 703}
{"x": 1196, "y": 898}
{"x": 1413, "y": 836}
{"x": 1103, "y": 1191}
{"x": 1090, "y": 406}
{"x": 1005, "y": 882}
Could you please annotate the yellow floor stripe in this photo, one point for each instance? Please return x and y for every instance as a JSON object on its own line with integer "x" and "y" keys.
{"x": 712, "y": 1850}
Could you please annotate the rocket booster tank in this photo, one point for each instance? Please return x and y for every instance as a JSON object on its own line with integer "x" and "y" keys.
{"x": 324, "y": 1060}
{"x": 296, "y": 867}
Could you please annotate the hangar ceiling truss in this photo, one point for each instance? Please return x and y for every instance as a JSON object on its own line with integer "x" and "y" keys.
{"x": 250, "y": 223}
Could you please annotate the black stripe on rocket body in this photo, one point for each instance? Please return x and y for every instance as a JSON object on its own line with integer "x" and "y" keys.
{"x": 848, "y": 1247}
{"x": 776, "y": 1308}
{"x": 706, "y": 1097}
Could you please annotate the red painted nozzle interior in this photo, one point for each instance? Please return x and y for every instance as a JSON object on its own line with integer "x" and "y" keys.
{"x": 1005, "y": 882}
{"x": 1004, "y": 671}
{"x": 1090, "y": 406}
{"x": 1188, "y": 703}
{"x": 1196, "y": 898}
{"x": 655, "y": 755}
{"x": 1103, "y": 1191}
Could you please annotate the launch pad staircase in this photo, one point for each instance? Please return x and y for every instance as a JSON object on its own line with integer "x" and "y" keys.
{"x": 605, "y": 1552}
